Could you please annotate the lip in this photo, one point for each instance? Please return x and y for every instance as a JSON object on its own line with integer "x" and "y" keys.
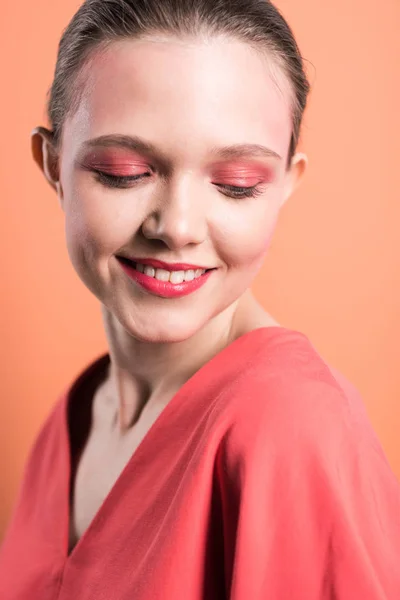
{"x": 159, "y": 264}
{"x": 164, "y": 289}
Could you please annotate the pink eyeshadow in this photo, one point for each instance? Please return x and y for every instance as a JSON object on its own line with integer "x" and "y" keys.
{"x": 116, "y": 162}
{"x": 242, "y": 173}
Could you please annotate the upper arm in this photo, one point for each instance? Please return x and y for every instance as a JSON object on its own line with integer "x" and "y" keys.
{"x": 312, "y": 504}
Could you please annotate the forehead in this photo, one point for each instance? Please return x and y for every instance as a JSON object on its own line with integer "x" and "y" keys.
{"x": 183, "y": 95}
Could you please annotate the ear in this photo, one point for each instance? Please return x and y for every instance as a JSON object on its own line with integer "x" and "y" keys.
{"x": 294, "y": 174}
{"x": 46, "y": 156}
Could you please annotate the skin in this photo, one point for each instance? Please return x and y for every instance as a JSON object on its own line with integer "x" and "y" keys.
{"x": 186, "y": 97}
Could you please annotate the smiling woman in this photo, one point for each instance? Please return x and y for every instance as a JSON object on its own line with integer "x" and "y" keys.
{"x": 211, "y": 453}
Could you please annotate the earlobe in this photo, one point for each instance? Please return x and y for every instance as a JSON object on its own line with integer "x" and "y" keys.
{"x": 45, "y": 155}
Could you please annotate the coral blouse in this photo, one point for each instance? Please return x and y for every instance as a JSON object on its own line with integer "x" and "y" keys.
{"x": 261, "y": 479}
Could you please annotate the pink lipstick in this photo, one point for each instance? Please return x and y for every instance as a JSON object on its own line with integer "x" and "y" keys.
{"x": 165, "y": 289}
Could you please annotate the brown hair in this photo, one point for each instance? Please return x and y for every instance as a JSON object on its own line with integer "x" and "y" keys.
{"x": 98, "y": 23}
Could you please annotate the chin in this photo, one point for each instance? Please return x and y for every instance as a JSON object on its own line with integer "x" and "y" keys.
{"x": 162, "y": 330}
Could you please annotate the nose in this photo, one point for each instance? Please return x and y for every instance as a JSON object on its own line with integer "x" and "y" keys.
{"x": 179, "y": 217}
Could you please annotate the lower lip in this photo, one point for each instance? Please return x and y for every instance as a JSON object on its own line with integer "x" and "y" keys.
{"x": 165, "y": 289}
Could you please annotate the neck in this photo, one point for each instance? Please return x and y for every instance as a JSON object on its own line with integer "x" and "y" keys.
{"x": 144, "y": 373}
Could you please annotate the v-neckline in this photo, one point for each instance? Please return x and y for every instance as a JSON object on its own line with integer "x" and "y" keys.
{"x": 91, "y": 372}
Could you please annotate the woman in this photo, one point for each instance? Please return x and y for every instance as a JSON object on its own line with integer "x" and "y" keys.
{"x": 211, "y": 453}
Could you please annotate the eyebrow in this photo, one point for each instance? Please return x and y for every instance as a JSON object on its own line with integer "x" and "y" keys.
{"x": 123, "y": 141}
{"x": 245, "y": 150}
{"x": 135, "y": 143}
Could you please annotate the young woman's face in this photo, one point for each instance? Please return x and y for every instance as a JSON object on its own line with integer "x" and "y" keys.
{"x": 153, "y": 165}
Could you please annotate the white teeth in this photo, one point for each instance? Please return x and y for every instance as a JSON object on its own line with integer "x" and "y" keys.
{"x": 149, "y": 271}
{"x": 161, "y": 275}
{"x": 189, "y": 275}
{"x": 172, "y": 276}
{"x": 177, "y": 276}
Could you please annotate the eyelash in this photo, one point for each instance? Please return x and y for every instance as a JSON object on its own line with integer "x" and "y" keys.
{"x": 122, "y": 182}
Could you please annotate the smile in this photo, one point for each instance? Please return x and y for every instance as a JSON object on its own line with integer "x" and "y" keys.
{"x": 163, "y": 282}
{"x": 172, "y": 276}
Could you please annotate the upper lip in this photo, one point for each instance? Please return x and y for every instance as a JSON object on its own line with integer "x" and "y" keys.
{"x": 160, "y": 264}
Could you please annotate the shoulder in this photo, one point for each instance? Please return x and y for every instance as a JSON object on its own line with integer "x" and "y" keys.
{"x": 287, "y": 380}
{"x": 298, "y": 428}
{"x": 289, "y": 400}
{"x": 306, "y": 489}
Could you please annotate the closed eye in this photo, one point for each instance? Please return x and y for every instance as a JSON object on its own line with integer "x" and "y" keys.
{"x": 119, "y": 181}
{"x": 127, "y": 181}
{"x": 241, "y": 192}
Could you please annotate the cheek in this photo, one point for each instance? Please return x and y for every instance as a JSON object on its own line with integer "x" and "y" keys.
{"x": 88, "y": 214}
{"x": 247, "y": 233}
{"x": 85, "y": 230}
{"x": 81, "y": 245}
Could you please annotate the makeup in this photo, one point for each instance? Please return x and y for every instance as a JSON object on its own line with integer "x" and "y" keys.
{"x": 241, "y": 173}
{"x": 116, "y": 162}
{"x": 162, "y": 282}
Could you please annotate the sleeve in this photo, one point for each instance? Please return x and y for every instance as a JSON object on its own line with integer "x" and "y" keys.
{"x": 311, "y": 508}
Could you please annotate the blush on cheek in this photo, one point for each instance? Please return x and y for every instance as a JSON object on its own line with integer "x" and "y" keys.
{"x": 246, "y": 244}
